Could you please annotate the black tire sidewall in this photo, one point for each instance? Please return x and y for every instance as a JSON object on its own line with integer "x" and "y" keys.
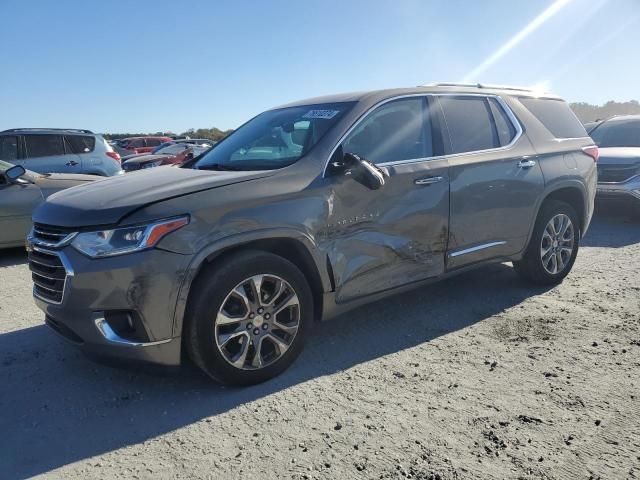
{"x": 531, "y": 265}
{"x": 212, "y": 289}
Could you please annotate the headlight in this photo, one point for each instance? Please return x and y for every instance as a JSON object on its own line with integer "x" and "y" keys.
{"x": 118, "y": 241}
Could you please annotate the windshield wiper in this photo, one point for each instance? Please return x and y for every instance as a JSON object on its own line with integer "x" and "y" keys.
{"x": 220, "y": 167}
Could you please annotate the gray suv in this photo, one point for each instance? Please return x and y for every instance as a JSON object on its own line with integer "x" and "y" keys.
{"x": 307, "y": 211}
{"x": 59, "y": 150}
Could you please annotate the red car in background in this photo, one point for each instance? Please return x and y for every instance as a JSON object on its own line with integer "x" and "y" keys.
{"x": 133, "y": 145}
{"x": 173, "y": 154}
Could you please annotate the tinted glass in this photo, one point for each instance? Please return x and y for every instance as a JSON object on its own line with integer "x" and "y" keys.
{"x": 504, "y": 127}
{"x": 392, "y": 132}
{"x": 617, "y": 133}
{"x": 136, "y": 143}
{"x": 153, "y": 142}
{"x": 556, "y": 116}
{"x": 274, "y": 139}
{"x": 470, "y": 125}
{"x": 8, "y": 147}
{"x": 44, "y": 145}
{"x": 80, "y": 143}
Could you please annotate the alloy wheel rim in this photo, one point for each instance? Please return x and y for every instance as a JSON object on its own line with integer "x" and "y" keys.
{"x": 557, "y": 244}
{"x": 257, "y": 322}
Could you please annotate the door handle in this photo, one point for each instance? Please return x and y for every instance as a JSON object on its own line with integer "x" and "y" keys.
{"x": 526, "y": 163}
{"x": 428, "y": 180}
{"x": 71, "y": 163}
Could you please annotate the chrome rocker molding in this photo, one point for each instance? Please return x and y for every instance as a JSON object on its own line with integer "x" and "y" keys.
{"x": 107, "y": 332}
{"x": 475, "y": 249}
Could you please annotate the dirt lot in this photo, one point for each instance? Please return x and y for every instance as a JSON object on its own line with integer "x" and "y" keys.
{"x": 476, "y": 377}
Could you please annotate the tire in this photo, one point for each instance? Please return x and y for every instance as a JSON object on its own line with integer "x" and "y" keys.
{"x": 532, "y": 267}
{"x": 214, "y": 337}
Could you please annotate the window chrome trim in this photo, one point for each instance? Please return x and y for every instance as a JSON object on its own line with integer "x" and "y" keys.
{"x": 505, "y": 107}
{"x": 477, "y": 248}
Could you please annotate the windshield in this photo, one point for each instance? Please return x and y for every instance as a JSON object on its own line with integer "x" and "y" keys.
{"x": 274, "y": 139}
{"x": 617, "y": 133}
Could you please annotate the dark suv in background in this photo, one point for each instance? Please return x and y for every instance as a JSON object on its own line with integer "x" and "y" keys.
{"x": 307, "y": 211}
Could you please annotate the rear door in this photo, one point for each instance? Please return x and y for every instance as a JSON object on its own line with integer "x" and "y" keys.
{"x": 495, "y": 179}
{"x": 46, "y": 153}
{"x": 382, "y": 239}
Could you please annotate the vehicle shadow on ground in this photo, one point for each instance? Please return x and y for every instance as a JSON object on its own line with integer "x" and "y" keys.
{"x": 13, "y": 256}
{"x": 612, "y": 228}
{"x": 58, "y": 407}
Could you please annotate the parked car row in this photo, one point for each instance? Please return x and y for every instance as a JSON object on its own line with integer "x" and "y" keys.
{"x": 307, "y": 211}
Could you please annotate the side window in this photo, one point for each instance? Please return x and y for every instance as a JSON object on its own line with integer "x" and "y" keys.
{"x": 392, "y": 132}
{"x": 153, "y": 142}
{"x": 43, "y": 145}
{"x": 469, "y": 122}
{"x": 137, "y": 143}
{"x": 504, "y": 126}
{"x": 8, "y": 148}
{"x": 556, "y": 116}
{"x": 80, "y": 143}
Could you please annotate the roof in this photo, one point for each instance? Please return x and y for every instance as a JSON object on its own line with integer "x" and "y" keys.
{"x": 47, "y": 130}
{"x": 441, "y": 88}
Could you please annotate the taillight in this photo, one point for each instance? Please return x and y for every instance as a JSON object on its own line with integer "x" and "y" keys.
{"x": 114, "y": 155}
{"x": 592, "y": 151}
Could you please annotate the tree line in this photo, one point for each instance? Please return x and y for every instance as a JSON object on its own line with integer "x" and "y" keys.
{"x": 590, "y": 113}
{"x": 586, "y": 112}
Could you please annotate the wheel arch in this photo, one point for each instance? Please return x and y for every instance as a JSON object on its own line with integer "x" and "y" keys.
{"x": 292, "y": 246}
{"x": 572, "y": 192}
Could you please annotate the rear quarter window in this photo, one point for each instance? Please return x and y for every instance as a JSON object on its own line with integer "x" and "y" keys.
{"x": 556, "y": 116}
{"x": 80, "y": 143}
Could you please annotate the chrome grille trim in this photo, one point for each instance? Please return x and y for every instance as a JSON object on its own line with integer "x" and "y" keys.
{"x": 49, "y": 236}
{"x": 37, "y": 276}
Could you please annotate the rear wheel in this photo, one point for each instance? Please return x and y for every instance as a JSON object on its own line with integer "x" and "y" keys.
{"x": 553, "y": 247}
{"x": 248, "y": 318}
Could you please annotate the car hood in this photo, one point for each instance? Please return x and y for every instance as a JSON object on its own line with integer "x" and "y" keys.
{"x": 148, "y": 158}
{"x": 619, "y": 155}
{"x": 108, "y": 201}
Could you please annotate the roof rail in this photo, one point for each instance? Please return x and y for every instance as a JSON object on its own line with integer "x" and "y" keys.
{"x": 76, "y": 130}
{"x": 479, "y": 85}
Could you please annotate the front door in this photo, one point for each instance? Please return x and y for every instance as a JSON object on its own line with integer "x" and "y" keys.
{"x": 17, "y": 201}
{"x": 382, "y": 239}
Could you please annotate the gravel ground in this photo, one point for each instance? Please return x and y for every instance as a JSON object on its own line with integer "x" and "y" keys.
{"x": 479, "y": 376}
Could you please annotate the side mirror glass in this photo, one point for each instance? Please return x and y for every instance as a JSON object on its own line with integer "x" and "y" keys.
{"x": 364, "y": 172}
{"x": 14, "y": 173}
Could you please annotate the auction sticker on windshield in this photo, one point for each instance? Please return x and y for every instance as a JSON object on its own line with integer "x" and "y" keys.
{"x": 326, "y": 114}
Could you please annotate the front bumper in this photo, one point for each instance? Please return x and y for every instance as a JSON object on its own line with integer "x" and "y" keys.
{"x": 143, "y": 286}
{"x": 629, "y": 190}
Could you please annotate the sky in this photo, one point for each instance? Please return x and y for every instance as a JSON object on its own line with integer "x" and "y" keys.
{"x": 147, "y": 66}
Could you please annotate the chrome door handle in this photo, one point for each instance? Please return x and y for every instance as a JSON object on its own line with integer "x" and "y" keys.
{"x": 524, "y": 163}
{"x": 428, "y": 180}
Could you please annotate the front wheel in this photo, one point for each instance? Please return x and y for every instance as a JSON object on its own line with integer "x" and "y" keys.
{"x": 553, "y": 247}
{"x": 248, "y": 316}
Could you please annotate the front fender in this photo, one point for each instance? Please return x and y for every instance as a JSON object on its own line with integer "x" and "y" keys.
{"x": 245, "y": 239}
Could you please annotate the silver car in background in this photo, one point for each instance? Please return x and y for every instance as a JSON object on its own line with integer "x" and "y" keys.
{"x": 51, "y": 150}
{"x": 20, "y": 192}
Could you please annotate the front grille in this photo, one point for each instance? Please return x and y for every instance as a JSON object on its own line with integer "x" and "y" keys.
{"x": 616, "y": 173}
{"x": 48, "y": 275}
{"x": 50, "y": 236}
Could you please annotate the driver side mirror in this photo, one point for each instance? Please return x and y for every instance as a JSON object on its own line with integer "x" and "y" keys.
{"x": 14, "y": 173}
{"x": 361, "y": 170}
